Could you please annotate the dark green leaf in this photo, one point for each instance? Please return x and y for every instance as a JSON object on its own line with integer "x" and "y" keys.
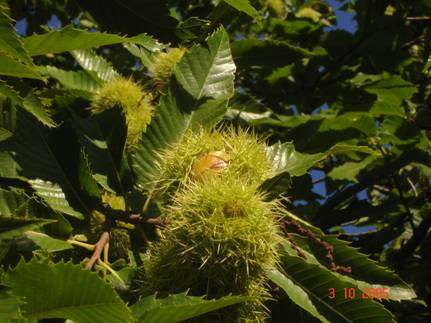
{"x": 13, "y": 227}
{"x": 10, "y": 67}
{"x": 30, "y": 103}
{"x": 70, "y": 79}
{"x": 64, "y": 290}
{"x": 317, "y": 282}
{"x": 179, "y": 307}
{"x": 295, "y": 293}
{"x": 29, "y": 157}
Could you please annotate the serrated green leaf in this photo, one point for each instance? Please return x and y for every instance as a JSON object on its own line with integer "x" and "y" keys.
{"x": 68, "y": 291}
{"x": 12, "y": 227}
{"x": 316, "y": 281}
{"x": 10, "y": 43}
{"x": 166, "y": 127}
{"x": 94, "y": 63}
{"x": 12, "y": 201}
{"x": 179, "y": 307}
{"x": 366, "y": 273}
{"x": 208, "y": 113}
{"x": 76, "y": 80}
{"x": 48, "y": 243}
{"x": 30, "y": 103}
{"x": 70, "y": 38}
{"x": 208, "y": 71}
{"x": 33, "y": 105}
{"x": 285, "y": 159}
{"x": 11, "y": 67}
{"x": 295, "y": 293}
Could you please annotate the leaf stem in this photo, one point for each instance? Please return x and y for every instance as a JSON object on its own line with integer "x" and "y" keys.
{"x": 82, "y": 244}
{"x": 112, "y": 271}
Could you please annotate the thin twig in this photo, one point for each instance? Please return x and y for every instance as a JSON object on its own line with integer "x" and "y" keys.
{"x": 413, "y": 41}
{"x": 132, "y": 218}
{"x": 147, "y": 201}
{"x": 403, "y": 200}
{"x": 100, "y": 245}
{"x": 419, "y": 18}
{"x": 412, "y": 186}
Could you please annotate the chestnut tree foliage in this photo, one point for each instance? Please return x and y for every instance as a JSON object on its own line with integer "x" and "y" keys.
{"x": 215, "y": 161}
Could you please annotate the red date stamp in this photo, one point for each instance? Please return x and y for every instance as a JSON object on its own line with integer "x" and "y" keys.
{"x": 366, "y": 293}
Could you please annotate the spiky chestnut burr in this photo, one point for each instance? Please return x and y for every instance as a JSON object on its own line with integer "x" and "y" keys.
{"x": 133, "y": 101}
{"x": 221, "y": 238}
{"x": 202, "y": 153}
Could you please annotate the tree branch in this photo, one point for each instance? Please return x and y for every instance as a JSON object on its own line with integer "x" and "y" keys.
{"x": 130, "y": 218}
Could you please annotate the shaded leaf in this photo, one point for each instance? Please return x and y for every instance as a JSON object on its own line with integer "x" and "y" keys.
{"x": 295, "y": 293}
{"x": 29, "y": 157}
{"x": 271, "y": 53}
{"x": 100, "y": 159}
{"x": 30, "y": 103}
{"x": 132, "y": 16}
{"x": 11, "y": 202}
{"x": 365, "y": 272}
{"x": 13, "y": 227}
{"x": 64, "y": 290}
{"x": 10, "y": 67}
{"x": 316, "y": 282}
{"x": 76, "y": 80}
{"x": 9, "y": 307}
{"x": 390, "y": 92}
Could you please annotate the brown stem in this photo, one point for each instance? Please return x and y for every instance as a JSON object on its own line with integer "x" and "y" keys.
{"x": 103, "y": 240}
{"x": 132, "y": 218}
{"x": 418, "y": 18}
